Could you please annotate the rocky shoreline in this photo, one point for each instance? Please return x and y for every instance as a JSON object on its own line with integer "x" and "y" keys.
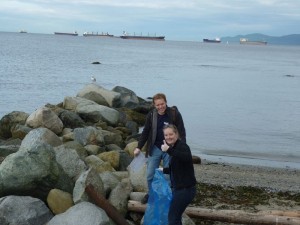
{"x": 49, "y": 157}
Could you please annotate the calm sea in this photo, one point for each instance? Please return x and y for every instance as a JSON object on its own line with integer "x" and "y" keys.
{"x": 240, "y": 103}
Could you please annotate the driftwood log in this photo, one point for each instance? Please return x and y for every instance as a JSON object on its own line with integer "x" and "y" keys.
{"x": 233, "y": 216}
{"x": 101, "y": 201}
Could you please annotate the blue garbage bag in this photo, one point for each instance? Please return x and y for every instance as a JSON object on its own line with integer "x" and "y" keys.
{"x": 159, "y": 201}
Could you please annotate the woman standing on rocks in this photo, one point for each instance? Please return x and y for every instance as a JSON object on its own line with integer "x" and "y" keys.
{"x": 182, "y": 174}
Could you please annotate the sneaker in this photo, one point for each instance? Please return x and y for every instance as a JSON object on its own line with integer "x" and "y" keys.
{"x": 145, "y": 199}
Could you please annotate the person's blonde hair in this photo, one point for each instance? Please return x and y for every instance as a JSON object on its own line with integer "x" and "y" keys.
{"x": 159, "y": 96}
{"x": 173, "y": 127}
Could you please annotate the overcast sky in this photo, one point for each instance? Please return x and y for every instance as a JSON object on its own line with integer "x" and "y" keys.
{"x": 176, "y": 19}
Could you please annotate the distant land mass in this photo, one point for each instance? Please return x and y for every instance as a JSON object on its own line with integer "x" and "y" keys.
{"x": 292, "y": 39}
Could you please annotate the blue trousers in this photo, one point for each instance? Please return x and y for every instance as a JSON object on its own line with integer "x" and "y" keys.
{"x": 153, "y": 163}
{"x": 181, "y": 199}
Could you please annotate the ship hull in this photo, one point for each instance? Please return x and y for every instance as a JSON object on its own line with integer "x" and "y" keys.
{"x": 247, "y": 42}
{"x": 70, "y": 34}
{"x": 97, "y": 35}
{"x": 211, "y": 41}
{"x": 253, "y": 42}
{"x": 152, "y": 38}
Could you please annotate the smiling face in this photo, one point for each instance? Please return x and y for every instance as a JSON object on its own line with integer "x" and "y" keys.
{"x": 161, "y": 105}
{"x": 170, "y": 134}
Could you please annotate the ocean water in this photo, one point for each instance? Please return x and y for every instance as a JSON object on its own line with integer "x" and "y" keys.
{"x": 240, "y": 103}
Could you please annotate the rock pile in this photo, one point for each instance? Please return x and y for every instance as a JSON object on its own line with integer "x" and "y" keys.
{"x": 49, "y": 157}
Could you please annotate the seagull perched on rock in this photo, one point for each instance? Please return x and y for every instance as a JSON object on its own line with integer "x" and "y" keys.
{"x": 93, "y": 79}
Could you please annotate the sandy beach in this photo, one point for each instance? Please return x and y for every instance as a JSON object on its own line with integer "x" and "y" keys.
{"x": 273, "y": 179}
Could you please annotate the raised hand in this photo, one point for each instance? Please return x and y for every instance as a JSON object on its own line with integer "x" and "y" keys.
{"x": 165, "y": 146}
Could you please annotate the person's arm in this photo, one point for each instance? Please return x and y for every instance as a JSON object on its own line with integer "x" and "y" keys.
{"x": 182, "y": 152}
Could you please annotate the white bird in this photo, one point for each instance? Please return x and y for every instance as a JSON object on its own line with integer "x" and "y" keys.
{"x": 93, "y": 79}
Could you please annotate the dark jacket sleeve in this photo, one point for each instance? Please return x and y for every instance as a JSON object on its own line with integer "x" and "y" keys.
{"x": 181, "y": 151}
{"x": 166, "y": 170}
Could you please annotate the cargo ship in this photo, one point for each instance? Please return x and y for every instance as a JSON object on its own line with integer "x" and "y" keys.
{"x": 62, "y": 33}
{"x": 87, "y": 34}
{"x": 245, "y": 41}
{"x": 216, "y": 40}
{"x": 142, "y": 37}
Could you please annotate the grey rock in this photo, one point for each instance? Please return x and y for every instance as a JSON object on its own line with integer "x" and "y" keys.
{"x": 128, "y": 98}
{"x": 110, "y": 181}
{"x": 111, "y": 97}
{"x": 70, "y": 103}
{"x": 45, "y": 117}
{"x": 119, "y": 196}
{"x": 41, "y": 135}
{"x": 81, "y": 151}
{"x": 125, "y": 160}
{"x": 82, "y": 213}
{"x": 20, "y": 131}
{"x": 88, "y": 135}
{"x": 23, "y": 210}
{"x": 9, "y": 146}
{"x": 71, "y": 119}
{"x": 96, "y": 113}
{"x": 32, "y": 171}
{"x": 86, "y": 178}
{"x": 70, "y": 161}
{"x": 9, "y": 121}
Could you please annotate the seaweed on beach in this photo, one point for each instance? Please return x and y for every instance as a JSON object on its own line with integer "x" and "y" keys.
{"x": 240, "y": 197}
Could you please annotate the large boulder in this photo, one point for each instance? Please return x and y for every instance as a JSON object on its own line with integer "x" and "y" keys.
{"x": 70, "y": 103}
{"x": 110, "y": 181}
{"x": 100, "y": 95}
{"x": 71, "y": 119}
{"x": 89, "y": 135}
{"x": 19, "y": 210}
{"x": 45, "y": 117}
{"x": 33, "y": 171}
{"x": 83, "y": 213}
{"x": 90, "y": 111}
{"x": 112, "y": 138}
{"x": 85, "y": 179}
{"x": 127, "y": 114}
{"x": 41, "y": 135}
{"x": 96, "y": 113}
{"x": 70, "y": 161}
{"x": 98, "y": 164}
{"x": 128, "y": 98}
{"x": 119, "y": 196}
{"x": 125, "y": 160}
{"x": 81, "y": 151}
{"x": 22, "y": 171}
{"x": 113, "y": 157}
{"x": 9, "y": 121}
